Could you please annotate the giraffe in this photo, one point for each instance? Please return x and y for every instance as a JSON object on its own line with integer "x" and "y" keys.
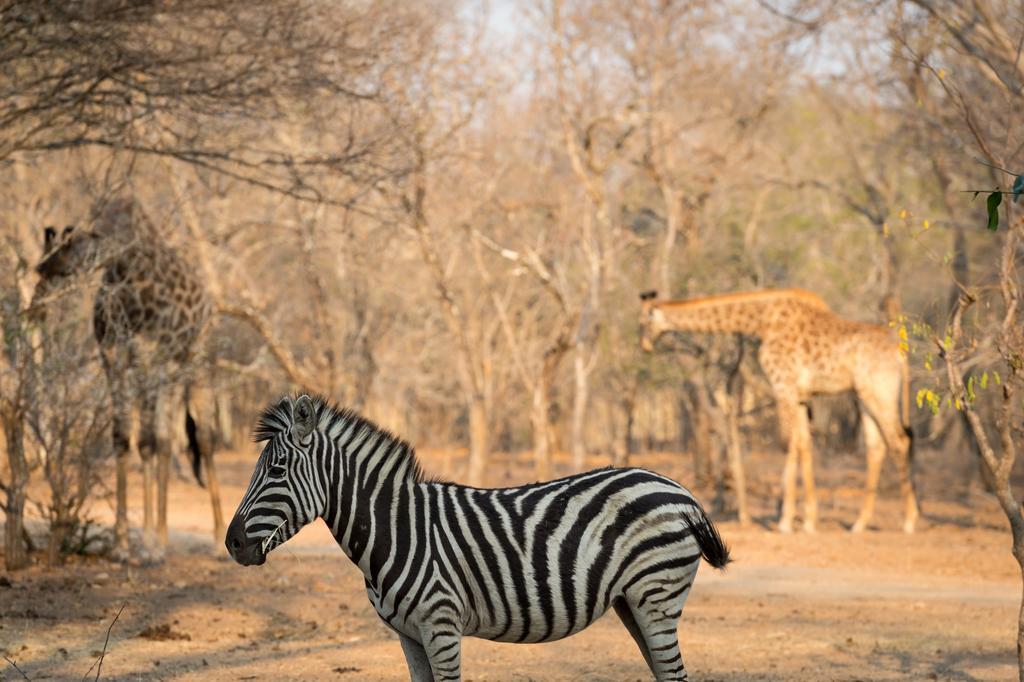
{"x": 149, "y": 313}
{"x": 807, "y": 349}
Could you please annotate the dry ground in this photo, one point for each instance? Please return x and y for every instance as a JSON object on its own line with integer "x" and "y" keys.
{"x": 941, "y": 604}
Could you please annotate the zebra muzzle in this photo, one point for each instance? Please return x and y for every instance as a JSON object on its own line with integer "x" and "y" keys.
{"x": 243, "y": 549}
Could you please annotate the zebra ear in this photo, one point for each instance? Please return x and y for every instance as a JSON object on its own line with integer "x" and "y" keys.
{"x": 303, "y": 418}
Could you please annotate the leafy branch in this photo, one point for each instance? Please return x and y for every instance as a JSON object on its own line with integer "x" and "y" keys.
{"x": 995, "y": 197}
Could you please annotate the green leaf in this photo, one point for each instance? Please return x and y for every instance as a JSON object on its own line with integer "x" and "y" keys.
{"x": 1018, "y": 187}
{"x": 994, "y": 199}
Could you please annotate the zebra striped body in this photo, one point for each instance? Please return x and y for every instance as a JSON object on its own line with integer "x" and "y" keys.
{"x": 442, "y": 561}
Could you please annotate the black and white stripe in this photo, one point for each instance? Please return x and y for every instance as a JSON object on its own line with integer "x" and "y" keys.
{"x": 442, "y": 561}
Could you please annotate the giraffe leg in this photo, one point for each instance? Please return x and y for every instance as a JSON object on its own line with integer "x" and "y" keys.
{"x": 739, "y": 477}
{"x": 875, "y": 452}
{"x": 121, "y": 447}
{"x": 787, "y": 417}
{"x": 416, "y": 659}
{"x": 121, "y": 413}
{"x": 202, "y": 408}
{"x": 802, "y": 434}
{"x": 148, "y": 516}
{"x": 880, "y": 402}
{"x": 214, "y": 487}
{"x": 904, "y": 463}
{"x": 147, "y": 450}
{"x": 168, "y": 409}
{"x": 163, "y": 468}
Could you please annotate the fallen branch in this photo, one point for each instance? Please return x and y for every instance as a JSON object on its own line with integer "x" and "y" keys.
{"x": 99, "y": 661}
{"x": 15, "y": 665}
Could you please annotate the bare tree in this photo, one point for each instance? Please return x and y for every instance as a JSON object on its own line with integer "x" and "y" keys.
{"x": 177, "y": 80}
{"x": 981, "y": 45}
{"x": 15, "y": 398}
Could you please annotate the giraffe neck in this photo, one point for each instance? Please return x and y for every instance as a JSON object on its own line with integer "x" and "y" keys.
{"x": 746, "y": 313}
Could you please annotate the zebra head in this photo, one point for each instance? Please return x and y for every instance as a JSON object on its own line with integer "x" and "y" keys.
{"x": 284, "y": 493}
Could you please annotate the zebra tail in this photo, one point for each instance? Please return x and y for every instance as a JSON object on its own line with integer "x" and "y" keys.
{"x": 712, "y": 547}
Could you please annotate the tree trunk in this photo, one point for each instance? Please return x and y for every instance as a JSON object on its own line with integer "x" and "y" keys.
{"x": 700, "y": 430}
{"x": 478, "y": 441}
{"x": 1018, "y": 554}
{"x": 539, "y": 424}
{"x": 731, "y": 403}
{"x": 672, "y": 221}
{"x": 541, "y": 407}
{"x": 59, "y": 530}
{"x": 16, "y": 556}
{"x": 623, "y": 449}
{"x": 999, "y": 463}
{"x": 580, "y": 397}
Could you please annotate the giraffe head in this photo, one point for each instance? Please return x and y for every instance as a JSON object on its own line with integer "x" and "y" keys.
{"x": 66, "y": 254}
{"x": 652, "y": 320}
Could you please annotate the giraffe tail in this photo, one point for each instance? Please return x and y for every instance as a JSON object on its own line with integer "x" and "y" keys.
{"x": 192, "y": 431}
{"x": 712, "y": 547}
{"x": 905, "y": 406}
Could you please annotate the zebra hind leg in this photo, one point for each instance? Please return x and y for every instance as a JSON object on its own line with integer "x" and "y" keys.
{"x": 653, "y": 619}
{"x": 626, "y": 616}
{"x": 444, "y": 649}
{"x": 416, "y": 659}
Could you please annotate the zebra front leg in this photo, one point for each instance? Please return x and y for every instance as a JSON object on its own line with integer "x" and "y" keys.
{"x": 442, "y": 643}
{"x": 416, "y": 659}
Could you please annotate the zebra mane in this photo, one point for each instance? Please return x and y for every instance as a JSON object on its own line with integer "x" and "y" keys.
{"x": 332, "y": 420}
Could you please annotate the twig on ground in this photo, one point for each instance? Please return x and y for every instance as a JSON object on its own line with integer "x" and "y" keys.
{"x": 98, "y": 664}
{"x": 15, "y": 665}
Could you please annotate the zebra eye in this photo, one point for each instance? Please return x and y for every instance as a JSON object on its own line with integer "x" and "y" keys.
{"x": 275, "y": 471}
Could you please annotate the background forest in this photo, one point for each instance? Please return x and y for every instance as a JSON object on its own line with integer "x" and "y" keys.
{"x": 442, "y": 214}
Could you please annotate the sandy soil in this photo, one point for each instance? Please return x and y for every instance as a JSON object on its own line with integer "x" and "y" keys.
{"x": 941, "y": 604}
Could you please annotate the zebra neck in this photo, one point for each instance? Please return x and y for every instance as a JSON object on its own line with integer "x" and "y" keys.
{"x": 377, "y": 506}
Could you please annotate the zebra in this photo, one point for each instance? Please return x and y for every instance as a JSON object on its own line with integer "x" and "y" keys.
{"x": 442, "y": 561}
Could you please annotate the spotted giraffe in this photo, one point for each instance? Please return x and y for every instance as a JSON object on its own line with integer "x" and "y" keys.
{"x": 149, "y": 314}
{"x": 807, "y": 349}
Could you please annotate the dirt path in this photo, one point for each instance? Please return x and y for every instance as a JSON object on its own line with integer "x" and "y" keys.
{"x": 937, "y": 605}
